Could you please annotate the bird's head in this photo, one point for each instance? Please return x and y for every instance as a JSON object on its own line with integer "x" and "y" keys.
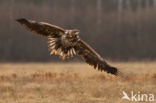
{"x": 72, "y": 35}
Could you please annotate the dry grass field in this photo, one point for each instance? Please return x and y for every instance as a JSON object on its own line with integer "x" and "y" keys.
{"x": 73, "y": 83}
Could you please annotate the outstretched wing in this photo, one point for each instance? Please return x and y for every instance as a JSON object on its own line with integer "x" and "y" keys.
{"x": 53, "y": 33}
{"x": 42, "y": 28}
{"x": 92, "y": 58}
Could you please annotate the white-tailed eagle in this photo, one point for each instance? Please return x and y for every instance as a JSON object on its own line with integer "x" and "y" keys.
{"x": 67, "y": 43}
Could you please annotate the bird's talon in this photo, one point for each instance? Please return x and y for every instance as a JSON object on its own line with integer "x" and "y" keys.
{"x": 63, "y": 57}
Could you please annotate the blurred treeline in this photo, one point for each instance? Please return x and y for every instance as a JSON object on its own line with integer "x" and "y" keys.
{"x": 116, "y": 29}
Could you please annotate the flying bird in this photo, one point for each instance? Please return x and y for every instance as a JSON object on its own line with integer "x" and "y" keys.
{"x": 67, "y": 43}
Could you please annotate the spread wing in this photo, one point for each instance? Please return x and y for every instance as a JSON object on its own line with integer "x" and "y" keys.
{"x": 92, "y": 58}
{"x": 42, "y": 28}
{"x": 53, "y": 33}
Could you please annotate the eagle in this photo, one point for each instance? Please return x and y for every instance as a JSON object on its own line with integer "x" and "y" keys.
{"x": 67, "y": 43}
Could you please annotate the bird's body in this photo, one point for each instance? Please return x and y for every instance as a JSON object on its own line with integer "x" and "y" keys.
{"x": 67, "y": 43}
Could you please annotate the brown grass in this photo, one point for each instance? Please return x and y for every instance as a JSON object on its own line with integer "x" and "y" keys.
{"x": 73, "y": 83}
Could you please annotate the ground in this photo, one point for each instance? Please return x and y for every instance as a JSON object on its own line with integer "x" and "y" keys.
{"x": 73, "y": 82}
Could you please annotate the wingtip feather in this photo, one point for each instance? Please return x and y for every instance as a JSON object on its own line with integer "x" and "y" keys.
{"x": 21, "y": 20}
{"x": 114, "y": 71}
{"x": 111, "y": 70}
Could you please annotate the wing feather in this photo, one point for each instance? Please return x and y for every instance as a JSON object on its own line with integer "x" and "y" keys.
{"x": 42, "y": 28}
{"x": 92, "y": 58}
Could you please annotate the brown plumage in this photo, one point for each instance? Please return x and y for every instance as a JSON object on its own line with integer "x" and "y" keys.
{"x": 67, "y": 43}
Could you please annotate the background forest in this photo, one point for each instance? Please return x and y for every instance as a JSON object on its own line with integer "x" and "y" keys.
{"x": 116, "y": 29}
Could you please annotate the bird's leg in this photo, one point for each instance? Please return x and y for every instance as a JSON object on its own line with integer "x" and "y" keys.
{"x": 63, "y": 57}
{"x": 52, "y": 52}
